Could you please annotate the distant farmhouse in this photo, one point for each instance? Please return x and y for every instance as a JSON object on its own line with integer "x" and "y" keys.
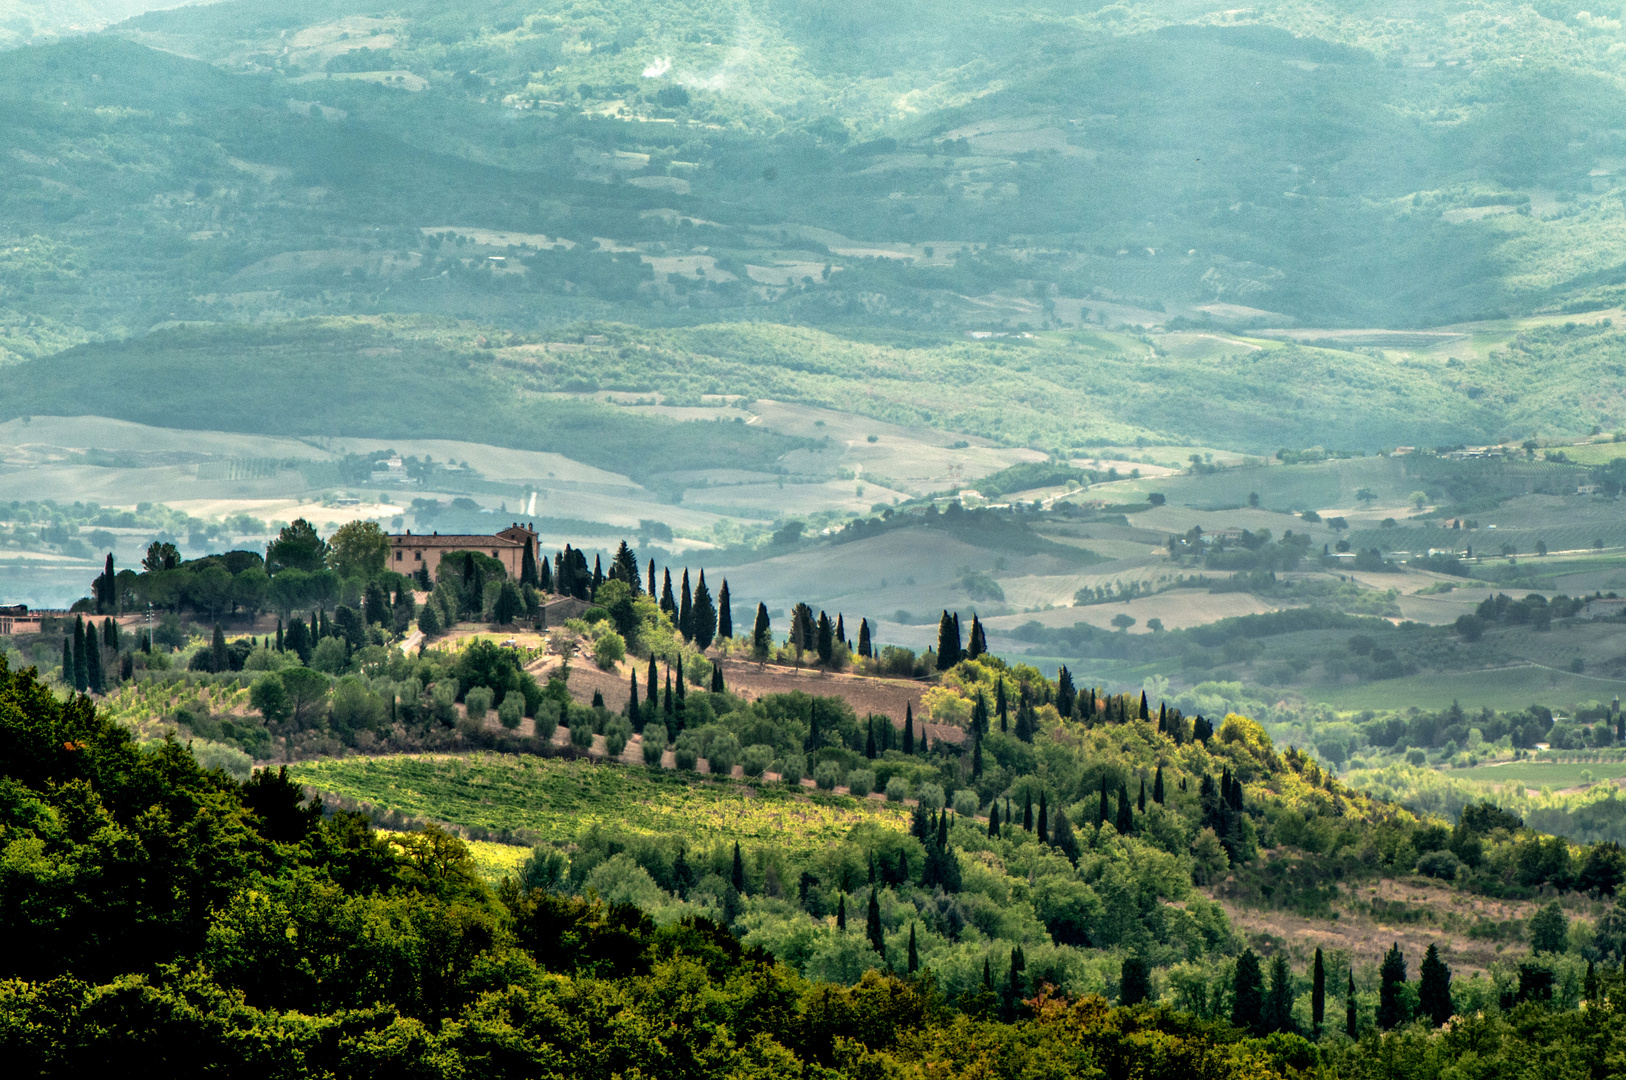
{"x": 411, "y": 551}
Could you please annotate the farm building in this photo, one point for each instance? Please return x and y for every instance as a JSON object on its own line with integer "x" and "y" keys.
{"x": 409, "y": 551}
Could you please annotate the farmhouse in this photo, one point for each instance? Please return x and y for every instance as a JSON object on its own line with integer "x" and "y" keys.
{"x": 411, "y": 551}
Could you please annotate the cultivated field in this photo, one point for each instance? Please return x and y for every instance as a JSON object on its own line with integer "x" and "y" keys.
{"x": 549, "y": 799}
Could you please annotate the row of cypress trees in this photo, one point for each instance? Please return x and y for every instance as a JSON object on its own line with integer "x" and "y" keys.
{"x": 84, "y": 659}
{"x": 1260, "y": 1008}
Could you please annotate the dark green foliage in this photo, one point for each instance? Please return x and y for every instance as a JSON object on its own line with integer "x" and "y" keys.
{"x": 1391, "y": 976}
{"x": 1247, "y": 993}
{"x": 725, "y": 613}
{"x": 1318, "y": 991}
{"x": 1134, "y": 981}
{"x": 1277, "y": 1011}
{"x": 1434, "y": 988}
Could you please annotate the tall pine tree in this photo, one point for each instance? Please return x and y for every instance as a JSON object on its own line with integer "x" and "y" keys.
{"x": 686, "y": 609}
{"x": 725, "y": 613}
{"x": 1247, "y": 994}
{"x": 81, "y": 670}
{"x": 1318, "y": 991}
{"x": 527, "y": 565}
{"x": 1434, "y": 988}
{"x": 865, "y": 650}
{"x": 762, "y": 633}
{"x": 948, "y": 642}
{"x": 668, "y": 605}
{"x": 908, "y": 729}
{"x": 877, "y": 939}
{"x": 703, "y": 619}
{"x": 1391, "y": 977}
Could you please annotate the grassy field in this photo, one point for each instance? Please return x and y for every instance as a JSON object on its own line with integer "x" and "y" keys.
{"x": 1500, "y": 689}
{"x": 547, "y": 799}
{"x": 1539, "y": 774}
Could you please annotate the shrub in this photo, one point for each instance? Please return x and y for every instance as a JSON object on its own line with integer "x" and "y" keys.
{"x": 510, "y": 711}
{"x": 616, "y": 734}
{"x": 547, "y": 719}
{"x": 687, "y": 749}
{"x": 757, "y": 759}
{"x": 1439, "y": 864}
{"x": 930, "y": 796}
{"x": 966, "y": 803}
{"x": 654, "y": 743}
{"x": 332, "y": 656}
{"x": 827, "y": 774}
{"x": 581, "y": 732}
{"x": 477, "y": 702}
{"x": 793, "y": 769}
{"x": 723, "y": 752}
{"x": 609, "y": 650}
{"x": 860, "y": 782}
{"x": 897, "y": 789}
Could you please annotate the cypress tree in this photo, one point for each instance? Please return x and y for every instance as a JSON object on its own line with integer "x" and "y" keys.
{"x": 979, "y": 716}
{"x": 825, "y": 641}
{"x": 976, "y": 756}
{"x": 1350, "y": 1026}
{"x": 1162, "y": 716}
{"x": 219, "y": 659}
{"x": 682, "y": 689}
{"x": 667, "y": 705}
{"x": 1103, "y": 819}
{"x": 651, "y": 685}
{"x": 1247, "y": 994}
{"x": 877, "y": 939}
{"x": 298, "y": 640}
{"x": 544, "y": 575}
{"x": 1027, "y": 812}
{"x": 598, "y": 575}
{"x": 762, "y": 632}
{"x": 841, "y": 912}
{"x": 1018, "y": 963}
{"x": 633, "y": 712}
{"x": 625, "y": 567}
{"x": 315, "y": 631}
{"x": 81, "y": 671}
{"x": 279, "y": 635}
{"x": 1157, "y": 786}
{"x": 865, "y": 650}
{"x": 1001, "y": 705}
{"x": 527, "y": 565}
{"x": 1062, "y": 838}
{"x": 914, "y": 957}
{"x": 1589, "y": 985}
{"x": 1145, "y": 713}
{"x": 686, "y": 609}
{"x": 1434, "y": 987}
{"x": 93, "y": 662}
{"x": 717, "y": 679}
{"x": 993, "y": 820}
{"x": 667, "y": 604}
{"x": 948, "y": 642}
{"x": 110, "y": 634}
{"x": 1140, "y": 803}
{"x": 1392, "y": 975}
{"x": 1066, "y": 696}
{"x": 652, "y": 590}
{"x": 1044, "y": 819}
{"x": 974, "y": 647}
{"x": 987, "y": 976}
{"x": 1318, "y": 991}
{"x": 841, "y": 628}
{"x": 703, "y": 619}
{"x": 815, "y": 738}
{"x": 1027, "y": 720}
{"x": 1126, "y": 817}
{"x": 1278, "y": 1009}
{"x": 67, "y": 661}
{"x": 725, "y": 613}
{"x": 738, "y": 872}
{"x": 909, "y": 730}
{"x": 869, "y": 738}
